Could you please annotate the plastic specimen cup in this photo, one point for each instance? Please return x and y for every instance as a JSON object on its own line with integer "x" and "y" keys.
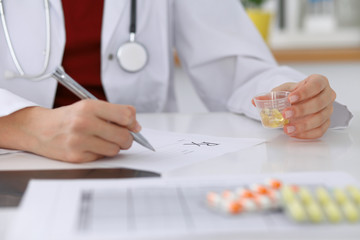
{"x": 270, "y": 105}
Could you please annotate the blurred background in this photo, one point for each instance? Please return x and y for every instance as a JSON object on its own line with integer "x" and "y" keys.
{"x": 312, "y": 36}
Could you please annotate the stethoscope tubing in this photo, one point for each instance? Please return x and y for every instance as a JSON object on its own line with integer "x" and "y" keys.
{"x": 42, "y": 75}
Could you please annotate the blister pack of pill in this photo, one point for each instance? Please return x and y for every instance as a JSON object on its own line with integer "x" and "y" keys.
{"x": 303, "y": 204}
{"x": 257, "y": 197}
{"x": 321, "y": 204}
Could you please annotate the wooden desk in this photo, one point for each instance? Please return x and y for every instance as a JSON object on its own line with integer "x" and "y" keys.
{"x": 310, "y": 55}
{"x": 317, "y": 55}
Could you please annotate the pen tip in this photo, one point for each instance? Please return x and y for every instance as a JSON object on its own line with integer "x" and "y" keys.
{"x": 149, "y": 146}
{"x": 142, "y": 141}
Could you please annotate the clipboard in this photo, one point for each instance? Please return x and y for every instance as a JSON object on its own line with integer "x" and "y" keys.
{"x": 13, "y": 183}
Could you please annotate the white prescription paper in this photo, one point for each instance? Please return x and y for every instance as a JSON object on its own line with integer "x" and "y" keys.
{"x": 7, "y": 151}
{"x": 175, "y": 150}
{"x": 154, "y": 208}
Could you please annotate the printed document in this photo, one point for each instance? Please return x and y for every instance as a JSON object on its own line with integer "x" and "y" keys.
{"x": 154, "y": 208}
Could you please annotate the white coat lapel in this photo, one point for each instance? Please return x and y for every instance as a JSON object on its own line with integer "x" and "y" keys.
{"x": 113, "y": 9}
{"x": 58, "y": 34}
{"x": 57, "y": 6}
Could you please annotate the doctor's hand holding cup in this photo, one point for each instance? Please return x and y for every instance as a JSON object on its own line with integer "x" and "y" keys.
{"x": 311, "y": 107}
{"x": 82, "y": 132}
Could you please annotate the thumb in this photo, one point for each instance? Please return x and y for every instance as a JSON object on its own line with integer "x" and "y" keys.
{"x": 289, "y": 87}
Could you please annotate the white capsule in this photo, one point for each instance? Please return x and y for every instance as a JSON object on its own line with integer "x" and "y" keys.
{"x": 248, "y": 204}
{"x": 213, "y": 199}
{"x": 275, "y": 198}
{"x": 263, "y": 202}
{"x": 240, "y": 191}
{"x": 229, "y": 195}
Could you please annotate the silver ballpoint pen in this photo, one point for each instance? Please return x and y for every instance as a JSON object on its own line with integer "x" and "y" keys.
{"x": 82, "y": 93}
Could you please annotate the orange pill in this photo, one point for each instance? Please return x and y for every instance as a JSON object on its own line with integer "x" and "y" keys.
{"x": 232, "y": 207}
{"x": 244, "y": 193}
{"x": 247, "y": 194}
{"x": 235, "y": 207}
{"x": 274, "y": 183}
{"x": 262, "y": 190}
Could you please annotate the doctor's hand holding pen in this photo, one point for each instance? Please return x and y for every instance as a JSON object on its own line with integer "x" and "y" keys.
{"x": 82, "y": 132}
{"x": 311, "y": 107}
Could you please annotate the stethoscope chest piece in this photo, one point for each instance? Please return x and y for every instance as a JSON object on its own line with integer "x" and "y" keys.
{"x": 132, "y": 56}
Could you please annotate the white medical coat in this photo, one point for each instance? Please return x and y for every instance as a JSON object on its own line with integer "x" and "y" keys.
{"x": 219, "y": 48}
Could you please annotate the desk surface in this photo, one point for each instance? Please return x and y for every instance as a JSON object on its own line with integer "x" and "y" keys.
{"x": 337, "y": 150}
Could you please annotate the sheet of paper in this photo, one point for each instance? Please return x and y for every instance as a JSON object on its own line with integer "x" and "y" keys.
{"x": 175, "y": 150}
{"x": 7, "y": 151}
{"x": 158, "y": 209}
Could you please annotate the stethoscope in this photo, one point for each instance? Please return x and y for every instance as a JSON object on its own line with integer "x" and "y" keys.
{"x": 132, "y": 56}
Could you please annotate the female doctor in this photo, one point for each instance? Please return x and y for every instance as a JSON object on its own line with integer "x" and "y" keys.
{"x": 219, "y": 49}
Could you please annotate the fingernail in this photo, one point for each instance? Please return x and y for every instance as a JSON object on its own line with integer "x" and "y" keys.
{"x": 137, "y": 127}
{"x": 290, "y": 129}
{"x": 293, "y": 98}
{"x": 288, "y": 114}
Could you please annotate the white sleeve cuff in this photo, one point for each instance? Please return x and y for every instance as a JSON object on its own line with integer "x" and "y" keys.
{"x": 341, "y": 116}
{"x": 10, "y": 103}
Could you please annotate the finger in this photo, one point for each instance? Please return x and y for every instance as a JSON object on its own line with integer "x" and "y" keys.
{"x": 91, "y": 125}
{"x": 88, "y": 148}
{"x": 101, "y": 147}
{"x": 309, "y": 122}
{"x": 113, "y": 133}
{"x": 310, "y": 106}
{"x": 107, "y": 131}
{"x": 289, "y": 87}
{"x": 88, "y": 157}
{"x": 123, "y": 115}
{"x": 314, "y": 133}
{"x": 308, "y": 88}
{"x": 80, "y": 157}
